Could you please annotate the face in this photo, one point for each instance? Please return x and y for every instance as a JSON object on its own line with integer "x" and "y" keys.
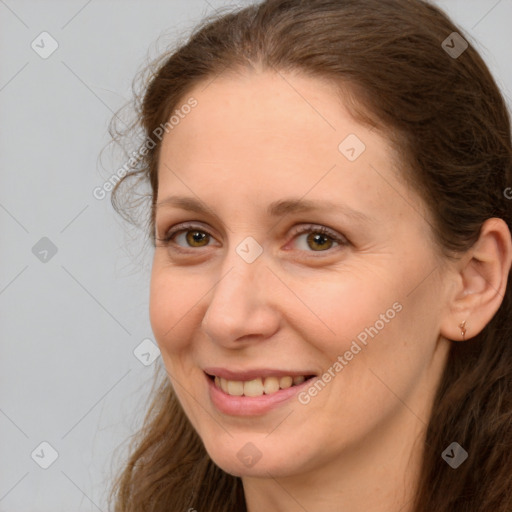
{"x": 297, "y": 299}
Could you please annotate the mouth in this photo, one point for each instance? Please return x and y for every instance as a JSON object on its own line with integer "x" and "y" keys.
{"x": 254, "y": 392}
{"x": 258, "y": 386}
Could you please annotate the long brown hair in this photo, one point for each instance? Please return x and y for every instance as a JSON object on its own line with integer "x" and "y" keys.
{"x": 449, "y": 122}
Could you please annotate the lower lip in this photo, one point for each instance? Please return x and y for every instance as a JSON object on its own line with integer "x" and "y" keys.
{"x": 251, "y": 405}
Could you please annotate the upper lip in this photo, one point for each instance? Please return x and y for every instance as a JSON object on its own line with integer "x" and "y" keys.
{"x": 254, "y": 373}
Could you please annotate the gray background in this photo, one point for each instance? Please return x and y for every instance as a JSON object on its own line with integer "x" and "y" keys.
{"x": 70, "y": 323}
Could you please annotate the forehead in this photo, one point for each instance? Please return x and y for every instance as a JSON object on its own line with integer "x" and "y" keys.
{"x": 257, "y": 137}
{"x": 262, "y": 115}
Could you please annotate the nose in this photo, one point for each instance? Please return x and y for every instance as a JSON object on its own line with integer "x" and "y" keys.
{"x": 242, "y": 306}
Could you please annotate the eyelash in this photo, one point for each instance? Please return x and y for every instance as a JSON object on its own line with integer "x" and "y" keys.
{"x": 167, "y": 240}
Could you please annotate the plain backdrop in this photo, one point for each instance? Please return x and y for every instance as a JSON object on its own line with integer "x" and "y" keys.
{"x": 76, "y": 343}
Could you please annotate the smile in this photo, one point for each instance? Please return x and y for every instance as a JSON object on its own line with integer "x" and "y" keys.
{"x": 258, "y": 386}
{"x": 253, "y": 392}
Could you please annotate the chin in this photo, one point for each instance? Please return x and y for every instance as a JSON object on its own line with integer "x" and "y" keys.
{"x": 241, "y": 456}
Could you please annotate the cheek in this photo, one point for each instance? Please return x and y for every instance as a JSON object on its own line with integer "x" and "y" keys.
{"x": 386, "y": 336}
{"x": 171, "y": 311}
{"x": 171, "y": 301}
{"x": 373, "y": 323}
{"x": 343, "y": 306}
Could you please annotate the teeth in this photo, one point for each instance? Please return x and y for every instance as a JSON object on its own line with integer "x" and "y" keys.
{"x": 253, "y": 387}
{"x": 259, "y": 386}
{"x": 271, "y": 385}
{"x": 235, "y": 388}
{"x": 285, "y": 382}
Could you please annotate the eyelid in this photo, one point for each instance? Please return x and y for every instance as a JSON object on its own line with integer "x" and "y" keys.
{"x": 319, "y": 228}
{"x": 183, "y": 226}
{"x": 296, "y": 230}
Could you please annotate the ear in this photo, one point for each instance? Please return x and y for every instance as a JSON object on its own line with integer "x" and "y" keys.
{"x": 481, "y": 280}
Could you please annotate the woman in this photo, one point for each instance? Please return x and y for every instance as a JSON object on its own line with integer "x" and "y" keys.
{"x": 332, "y": 253}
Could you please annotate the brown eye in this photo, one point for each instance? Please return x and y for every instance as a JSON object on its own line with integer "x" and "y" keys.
{"x": 319, "y": 241}
{"x": 186, "y": 236}
{"x": 195, "y": 238}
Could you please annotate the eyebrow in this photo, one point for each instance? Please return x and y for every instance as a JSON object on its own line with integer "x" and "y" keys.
{"x": 275, "y": 209}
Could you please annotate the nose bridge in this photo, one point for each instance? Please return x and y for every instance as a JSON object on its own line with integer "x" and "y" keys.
{"x": 238, "y": 281}
{"x": 243, "y": 272}
{"x": 239, "y": 303}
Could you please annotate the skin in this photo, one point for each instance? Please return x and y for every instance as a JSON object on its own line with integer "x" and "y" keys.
{"x": 259, "y": 137}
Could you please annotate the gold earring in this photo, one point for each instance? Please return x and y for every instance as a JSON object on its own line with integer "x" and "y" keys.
{"x": 462, "y": 326}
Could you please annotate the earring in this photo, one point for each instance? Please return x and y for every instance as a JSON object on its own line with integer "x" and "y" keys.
{"x": 462, "y": 327}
